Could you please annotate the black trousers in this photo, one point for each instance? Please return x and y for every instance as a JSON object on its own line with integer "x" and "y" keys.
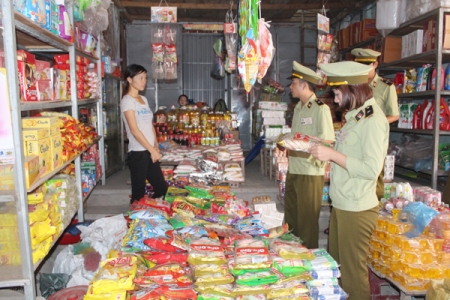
{"x": 141, "y": 168}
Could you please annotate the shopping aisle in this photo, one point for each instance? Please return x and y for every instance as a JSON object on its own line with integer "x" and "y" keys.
{"x": 112, "y": 198}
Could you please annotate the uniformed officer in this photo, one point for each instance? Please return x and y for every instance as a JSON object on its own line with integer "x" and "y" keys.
{"x": 383, "y": 89}
{"x": 384, "y": 94}
{"x": 305, "y": 180}
{"x": 356, "y": 162}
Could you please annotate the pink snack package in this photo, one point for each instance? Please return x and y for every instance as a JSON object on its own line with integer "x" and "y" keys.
{"x": 65, "y": 28}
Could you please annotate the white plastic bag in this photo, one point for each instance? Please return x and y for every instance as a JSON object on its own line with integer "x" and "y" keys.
{"x": 80, "y": 277}
{"x": 105, "y": 234}
{"x": 390, "y": 14}
{"x": 66, "y": 262}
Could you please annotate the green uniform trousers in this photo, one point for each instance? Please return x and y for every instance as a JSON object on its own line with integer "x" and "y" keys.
{"x": 349, "y": 237}
{"x": 302, "y": 202}
{"x": 380, "y": 184}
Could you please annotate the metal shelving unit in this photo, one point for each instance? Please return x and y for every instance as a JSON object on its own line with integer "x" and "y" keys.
{"x": 20, "y": 31}
{"x": 437, "y": 57}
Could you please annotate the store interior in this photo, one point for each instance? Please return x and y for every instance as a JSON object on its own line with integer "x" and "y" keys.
{"x": 65, "y": 185}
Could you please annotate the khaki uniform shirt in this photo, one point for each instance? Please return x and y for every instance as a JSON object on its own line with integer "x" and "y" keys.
{"x": 313, "y": 118}
{"x": 385, "y": 95}
{"x": 364, "y": 140}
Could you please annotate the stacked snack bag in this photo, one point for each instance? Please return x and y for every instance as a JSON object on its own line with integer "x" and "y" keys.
{"x": 50, "y": 209}
{"x": 203, "y": 243}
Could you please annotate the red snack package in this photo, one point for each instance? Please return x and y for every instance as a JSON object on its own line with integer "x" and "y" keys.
{"x": 164, "y": 258}
{"x": 161, "y": 244}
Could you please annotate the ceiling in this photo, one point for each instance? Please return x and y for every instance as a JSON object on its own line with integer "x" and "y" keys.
{"x": 279, "y": 11}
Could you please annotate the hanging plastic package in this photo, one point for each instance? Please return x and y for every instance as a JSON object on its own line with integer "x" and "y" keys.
{"x": 218, "y": 70}
{"x": 248, "y": 62}
{"x": 158, "y": 61}
{"x": 230, "y": 40}
{"x": 266, "y": 49}
{"x": 170, "y": 62}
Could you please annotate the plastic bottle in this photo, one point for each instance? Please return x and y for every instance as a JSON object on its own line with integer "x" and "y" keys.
{"x": 204, "y": 116}
{"x": 444, "y": 115}
{"x": 447, "y": 78}
{"x": 424, "y": 114}
{"x": 172, "y": 114}
{"x": 433, "y": 79}
{"x": 194, "y": 116}
{"x": 417, "y": 117}
{"x": 429, "y": 117}
{"x": 160, "y": 115}
{"x": 183, "y": 116}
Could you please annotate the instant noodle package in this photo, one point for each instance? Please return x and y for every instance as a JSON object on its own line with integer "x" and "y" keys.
{"x": 203, "y": 243}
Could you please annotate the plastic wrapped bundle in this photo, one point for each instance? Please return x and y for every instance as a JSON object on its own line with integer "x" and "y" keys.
{"x": 390, "y": 14}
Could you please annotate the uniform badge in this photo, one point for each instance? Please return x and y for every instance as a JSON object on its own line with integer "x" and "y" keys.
{"x": 309, "y": 105}
{"x": 359, "y": 115}
{"x": 369, "y": 111}
{"x": 306, "y": 121}
{"x": 387, "y": 81}
{"x": 319, "y": 102}
{"x": 342, "y": 136}
{"x": 374, "y": 84}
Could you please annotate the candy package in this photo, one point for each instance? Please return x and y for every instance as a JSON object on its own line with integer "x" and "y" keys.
{"x": 252, "y": 225}
{"x": 163, "y": 258}
{"x": 178, "y": 221}
{"x": 161, "y": 244}
{"x": 149, "y": 213}
{"x": 183, "y": 208}
{"x": 190, "y": 232}
{"x": 224, "y": 219}
{"x": 410, "y": 80}
{"x": 173, "y": 192}
{"x": 153, "y": 203}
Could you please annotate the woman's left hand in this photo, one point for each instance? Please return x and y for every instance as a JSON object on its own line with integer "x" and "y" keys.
{"x": 321, "y": 153}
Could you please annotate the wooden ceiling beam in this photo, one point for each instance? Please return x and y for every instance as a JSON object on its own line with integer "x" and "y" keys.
{"x": 216, "y": 6}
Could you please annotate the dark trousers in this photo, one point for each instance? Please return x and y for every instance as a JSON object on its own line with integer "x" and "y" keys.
{"x": 141, "y": 168}
{"x": 302, "y": 204}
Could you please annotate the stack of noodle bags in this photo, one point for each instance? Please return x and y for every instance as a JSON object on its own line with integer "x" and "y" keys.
{"x": 113, "y": 279}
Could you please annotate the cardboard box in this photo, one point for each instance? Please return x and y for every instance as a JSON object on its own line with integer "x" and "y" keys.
{"x": 34, "y": 134}
{"x": 50, "y": 123}
{"x": 40, "y": 148}
{"x": 446, "y": 32}
{"x": 27, "y": 81}
{"x": 31, "y": 168}
{"x": 346, "y": 37}
{"x": 56, "y": 151}
{"x": 367, "y": 29}
{"x": 392, "y": 49}
{"x": 415, "y": 42}
{"x": 429, "y": 36}
{"x": 273, "y": 105}
{"x": 356, "y": 27}
{"x": 235, "y": 134}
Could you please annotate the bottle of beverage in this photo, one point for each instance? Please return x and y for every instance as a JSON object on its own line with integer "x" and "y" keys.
{"x": 160, "y": 115}
{"x": 183, "y": 116}
{"x": 172, "y": 116}
{"x": 194, "y": 116}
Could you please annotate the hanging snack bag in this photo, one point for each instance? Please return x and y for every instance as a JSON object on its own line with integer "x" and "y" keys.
{"x": 321, "y": 42}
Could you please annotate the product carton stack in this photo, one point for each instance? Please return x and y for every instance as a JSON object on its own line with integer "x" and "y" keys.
{"x": 269, "y": 119}
{"x": 270, "y": 216}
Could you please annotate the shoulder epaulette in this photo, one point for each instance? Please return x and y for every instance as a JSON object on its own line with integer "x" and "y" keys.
{"x": 369, "y": 111}
{"x": 386, "y": 81}
{"x": 309, "y": 105}
{"x": 319, "y": 102}
{"x": 359, "y": 116}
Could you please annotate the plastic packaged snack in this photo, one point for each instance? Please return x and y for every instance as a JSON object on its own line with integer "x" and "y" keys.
{"x": 173, "y": 192}
{"x": 251, "y": 254}
{"x": 163, "y": 258}
{"x": 149, "y": 213}
{"x": 252, "y": 297}
{"x": 325, "y": 262}
{"x": 115, "y": 274}
{"x": 206, "y": 251}
{"x": 325, "y": 274}
{"x": 161, "y": 244}
{"x": 113, "y": 295}
{"x": 206, "y": 269}
{"x": 288, "y": 290}
{"x": 256, "y": 278}
{"x": 154, "y": 203}
{"x": 240, "y": 290}
{"x": 252, "y": 226}
{"x": 214, "y": 279}
{"x": 213, "y": 297}
{"x": 290, "y": 250}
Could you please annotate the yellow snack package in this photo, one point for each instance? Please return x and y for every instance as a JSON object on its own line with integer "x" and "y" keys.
{"x": 214, "y": 279}
{"x": 35, "y": 198}
{"x": 116, "y": 295}
{"x": 115, "y": 274}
